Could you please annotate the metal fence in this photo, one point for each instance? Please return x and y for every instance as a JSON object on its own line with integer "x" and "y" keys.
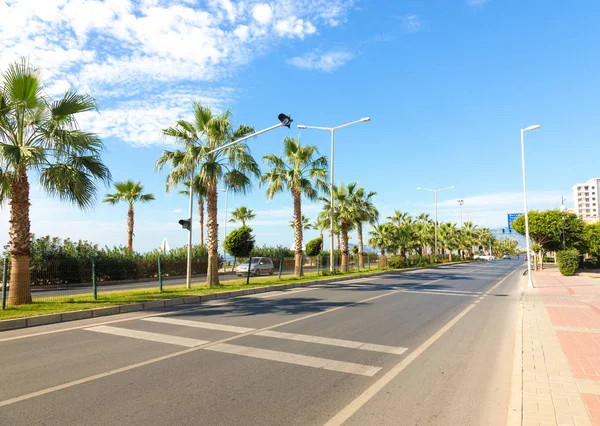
{"x": 55, "y": 278}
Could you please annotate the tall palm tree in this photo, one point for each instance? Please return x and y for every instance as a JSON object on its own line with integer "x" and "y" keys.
{"x": 321, "y": 224}
{"x": 469, "y": 237}
{"x": 306, "y": 225}
{"x": 484, "y": 237}
{"x": 199, "y": 191}
{"x": 233, "y": 165}
{"x": 449, "y": 237}
{"x": 424, "y": 232}
{"x": 381, "y": 237}
{"x": 302, "y": 172}
{"x": 344, "y": 213}
{"x": 406, "y": 230}
{"x": 131, "y": 193}
{"x": 242, "y": 214}
{"x": 40, "y": 139}
{"x": 365, "y": 212}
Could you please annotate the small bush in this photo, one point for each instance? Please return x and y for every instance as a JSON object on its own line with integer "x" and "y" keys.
{"x": 313, "y": 247}
{"x": 568, "y": 262}
{"x": 398, "y": 262}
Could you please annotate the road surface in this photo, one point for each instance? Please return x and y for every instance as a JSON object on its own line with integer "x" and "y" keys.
{"x": 427, "y": 347}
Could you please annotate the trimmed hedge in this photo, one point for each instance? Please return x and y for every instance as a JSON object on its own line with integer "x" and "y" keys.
{"x": 568, "y": 262}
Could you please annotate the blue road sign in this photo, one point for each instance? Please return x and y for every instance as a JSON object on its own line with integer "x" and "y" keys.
{"x": 511, "y": 218}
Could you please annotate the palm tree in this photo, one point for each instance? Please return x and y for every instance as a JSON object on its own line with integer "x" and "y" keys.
{"x": 302, "y": 172}
{"x": 199, "y": 190}
{"x": 469, "y": 237}
{"x": 40, "y": 139}
{"x": 424, "y": 230}
{"x": 484, "y": 237}
{"x": 242, "y": 214}
{"x": 449, "y": 237}
{"x": 345, "y": 213}
{"x": 365, "y": 212}
{"x": 321, "y": 224}
{"x": 381, "y": 237}
{"x": 406, "y": 230}
{"x": 130, "y": 192}
{"x": 306, "y": 225}
{"x": 233, "y": 165}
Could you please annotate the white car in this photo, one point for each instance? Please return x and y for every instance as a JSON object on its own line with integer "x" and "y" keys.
{"x": 483, "y": 257}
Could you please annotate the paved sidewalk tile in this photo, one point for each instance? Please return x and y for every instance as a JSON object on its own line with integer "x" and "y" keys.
{"x": 561, "y": 350}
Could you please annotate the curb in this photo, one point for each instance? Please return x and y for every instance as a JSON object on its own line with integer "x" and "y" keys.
{"x": 515, "y": 406}
{"x": 13, "y": 324}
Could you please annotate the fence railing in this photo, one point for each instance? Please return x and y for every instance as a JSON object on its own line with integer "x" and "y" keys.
{"x": 56, "y": 278}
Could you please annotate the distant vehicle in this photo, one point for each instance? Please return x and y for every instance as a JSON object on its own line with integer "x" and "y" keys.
{"x": 506, "y": 256}
{"x": 483, "y": 257}
{"x": 260, "y": 265}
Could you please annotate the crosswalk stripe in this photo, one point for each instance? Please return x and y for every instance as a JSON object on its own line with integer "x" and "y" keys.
{"x": 333, "y": 342}
{"x": 198, "y": 324}
{"x": 144, "y": 335}
{"x": 289, "y": 358}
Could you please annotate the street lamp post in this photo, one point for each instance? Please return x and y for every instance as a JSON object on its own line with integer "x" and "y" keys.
{"x": 527, "y": 129}
{"x": 284, "y": 120}
{"x": 331, "y": 216}
{"x": 225, "y": 226}
{"x": 435, "y": 234}
{"x": 460, "y": 203}
{"x": 563, "y": 210}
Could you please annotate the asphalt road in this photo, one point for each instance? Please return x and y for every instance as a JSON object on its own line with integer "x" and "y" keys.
{"x": 428, "y": 347}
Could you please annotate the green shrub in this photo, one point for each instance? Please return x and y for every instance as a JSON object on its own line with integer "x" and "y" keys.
{"x": 313, "y": 247}
{"x": 398, "y": 262}
{"x": 568, "y": 262}
{"x": 273, "y": 252}
{"x": 239, "y": 242}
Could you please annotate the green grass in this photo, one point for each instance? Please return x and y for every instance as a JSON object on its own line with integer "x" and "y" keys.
{"x": 60, "y": 304}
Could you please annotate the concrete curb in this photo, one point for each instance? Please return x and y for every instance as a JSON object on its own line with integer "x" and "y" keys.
{"x": 14, "y": 324}
{"x": 515, "y": 406}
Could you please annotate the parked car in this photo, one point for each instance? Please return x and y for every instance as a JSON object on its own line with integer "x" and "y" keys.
{"x": 506, "y": 256}
{"x": 260, "y": 265}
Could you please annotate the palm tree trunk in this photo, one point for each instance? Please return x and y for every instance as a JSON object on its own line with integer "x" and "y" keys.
{"x": 201, "y": 218}
{"x": 322, "y": 241}
{"x": 382, "y": 259}
{"x": 361, "y": 256}
{"x": 338, "y": 241}
{"x": 344, "y": 227}
{"x": 212, "y": 242}
{"x": 130, "y": 228}
{"x": 20, "y": 241}
{"x": 297, "y": 232}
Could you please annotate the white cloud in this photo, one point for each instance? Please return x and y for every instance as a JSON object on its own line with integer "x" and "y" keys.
{"x": 137, "y": 49}
{"x": 477, "y": 3}
{"x": 321, "y": 61}
{"x": 411, "y": 23}
{"x": 262, "y": 13}
{"x": 177, "y": 211}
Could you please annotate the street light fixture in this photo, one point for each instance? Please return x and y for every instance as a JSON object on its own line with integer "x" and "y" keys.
{"x": 435, "y": 191}
{"x": 527, "y": 129}
{"x": 284, "y": 121}
{"x": 332, "y": 130}
{"x": 460, "y": 203}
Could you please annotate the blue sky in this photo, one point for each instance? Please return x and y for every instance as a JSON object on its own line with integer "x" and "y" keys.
{"x": 447, "y": 84}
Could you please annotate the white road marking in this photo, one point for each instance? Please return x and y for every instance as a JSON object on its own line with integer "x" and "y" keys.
{"x": 437, "y": 292}
{"x": 144, "y": 335}
{"x": 307, "y": 361}
{"x": 198, "y": 324}
{"x": 333, "y": 342}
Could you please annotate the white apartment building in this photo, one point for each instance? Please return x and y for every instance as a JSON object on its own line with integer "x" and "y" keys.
{"x": 585, "y": 199}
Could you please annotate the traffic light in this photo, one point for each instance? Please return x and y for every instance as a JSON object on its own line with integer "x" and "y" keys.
{"x": 185, "y": 223}
{"x": 286, "y": 120}
{"x": 503, "y": 230}
{"x": 510, "y": 231}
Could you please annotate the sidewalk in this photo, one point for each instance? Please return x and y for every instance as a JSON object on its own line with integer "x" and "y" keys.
{"x": 561, "y": 350}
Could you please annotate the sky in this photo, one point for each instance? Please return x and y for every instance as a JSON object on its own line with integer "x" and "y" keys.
{"x": 448, "y": 84}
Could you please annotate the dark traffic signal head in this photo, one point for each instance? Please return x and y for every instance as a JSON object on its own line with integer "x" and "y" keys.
{"x": 285, "y": 120}
{"x": 185, "y": 223}
{"x": 503, "y": 230}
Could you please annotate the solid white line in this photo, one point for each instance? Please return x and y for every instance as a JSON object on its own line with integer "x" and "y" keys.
{"x": 438, "y": 292}
{"x": 333, "y": 342}
{"x": 198, "y": 324}
{"x": 144, "y": 335}
{"x": 362, "y": 399}
{"x": 307, "y": 361}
